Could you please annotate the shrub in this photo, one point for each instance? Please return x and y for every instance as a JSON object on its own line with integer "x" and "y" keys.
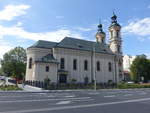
{"x": 127, "y": 86}
{"x": 9, "y": 87}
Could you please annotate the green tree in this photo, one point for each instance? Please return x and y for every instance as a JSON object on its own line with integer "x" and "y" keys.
{"x": 13, "y": 63}
{"x": 140, "y": 68}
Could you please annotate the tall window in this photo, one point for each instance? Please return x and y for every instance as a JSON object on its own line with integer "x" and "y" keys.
{"x": 109, "y": 67}
{"x": 47, "y": 68}
{"x": 75, "y": 64}
{"x": 86, "y": 65}
{"x": 98, "y": 66}
{"x": 118, "y": 48}
{"x": 117, "y": 33}
{"x": 30, "y": 63}
{"x": 62, "y": 63}
{"x": 111, "y": 33}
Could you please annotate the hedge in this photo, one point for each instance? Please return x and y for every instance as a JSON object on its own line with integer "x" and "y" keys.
{"x": 128, "y": 86}
{"x": 9, "y": 87}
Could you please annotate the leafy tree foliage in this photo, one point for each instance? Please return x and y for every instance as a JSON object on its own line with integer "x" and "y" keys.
{"x": 140, "y": 68}
{"x": 13, "y": 63}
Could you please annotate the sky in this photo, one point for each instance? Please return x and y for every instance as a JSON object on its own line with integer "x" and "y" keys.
{"x": 23, "y": 22}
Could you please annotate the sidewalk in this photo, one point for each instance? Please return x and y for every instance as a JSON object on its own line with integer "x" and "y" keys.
{"x": 29, "y": 88}
{"x": 1, "y": 82}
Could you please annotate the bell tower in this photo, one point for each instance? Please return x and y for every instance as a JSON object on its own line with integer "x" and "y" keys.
{"x": 115, "y": 36}
{"x": 115, "y": 44}
{"x": 100, "y": 35}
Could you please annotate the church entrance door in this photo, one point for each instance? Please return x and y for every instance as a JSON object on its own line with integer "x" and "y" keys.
{"x": 62, "y": 78}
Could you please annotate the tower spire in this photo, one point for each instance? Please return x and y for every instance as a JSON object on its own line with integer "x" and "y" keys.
{"x": 114, "y": 18}
{"x": 100, "y": 35}
{"x": 115, "y": 37}
{"x": 100, "y": 27}
{"x": 116, "y": 45}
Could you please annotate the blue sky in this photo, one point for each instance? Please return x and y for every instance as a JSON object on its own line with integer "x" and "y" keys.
{"x": 23, "y": 22}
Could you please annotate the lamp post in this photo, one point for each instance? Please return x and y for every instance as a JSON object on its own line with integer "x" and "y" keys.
{"x": 94, "y": 71}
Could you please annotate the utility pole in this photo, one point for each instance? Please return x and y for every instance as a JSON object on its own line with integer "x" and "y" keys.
{"x": 94, "y": 71}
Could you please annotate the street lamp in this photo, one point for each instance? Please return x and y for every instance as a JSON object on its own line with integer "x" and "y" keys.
{"x": 94, "y": 71}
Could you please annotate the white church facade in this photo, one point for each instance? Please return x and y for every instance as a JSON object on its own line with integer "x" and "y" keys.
{"x": 77, "y": 59}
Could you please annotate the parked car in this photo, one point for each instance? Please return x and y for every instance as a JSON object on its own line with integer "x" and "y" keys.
{"x": 2, "y": 77}
{"x": 11, "y": 80}
{"x": 130, "y": 82}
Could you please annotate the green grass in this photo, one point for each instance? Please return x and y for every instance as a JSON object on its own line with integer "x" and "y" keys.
{"x": 130, "y": 86}
{"x": 9, "y": 88}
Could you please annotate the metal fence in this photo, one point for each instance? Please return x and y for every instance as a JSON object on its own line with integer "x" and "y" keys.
{"x": 54, "y": 86}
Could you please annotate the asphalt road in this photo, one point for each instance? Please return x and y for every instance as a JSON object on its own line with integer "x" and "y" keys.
{"x": 102, "y": 101}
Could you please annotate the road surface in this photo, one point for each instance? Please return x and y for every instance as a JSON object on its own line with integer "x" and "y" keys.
{"x": 83, "y": 101}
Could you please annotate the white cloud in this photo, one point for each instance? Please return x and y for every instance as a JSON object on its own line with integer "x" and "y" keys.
{"x": 22, "y": 34}
{"x": 12, "y": 11}
{"x": 148, "y": 55}
{"x": 84, "y": 29}
{"x": 19, "y": 24}
{"x": 138, "y": 27}
{"x": 51, "y": 36}
{"x": 141, "y": 39}
{"x": 4, "y": 49}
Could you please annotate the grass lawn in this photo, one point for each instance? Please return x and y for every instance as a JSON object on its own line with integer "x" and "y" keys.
{"x": 128, "y": 86}
{"x": 9, "y": 88}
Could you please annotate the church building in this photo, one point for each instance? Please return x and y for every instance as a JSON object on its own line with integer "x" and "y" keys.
{"x": 78, "y": 60}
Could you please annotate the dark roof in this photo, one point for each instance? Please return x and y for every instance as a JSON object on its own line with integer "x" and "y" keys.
{"x": 79, "y": 44}
{"x": 114, "y": 24}
{"x": 43, "y": 44}
{"x": 74, "y": 43}
{"x": 49, "y": 58}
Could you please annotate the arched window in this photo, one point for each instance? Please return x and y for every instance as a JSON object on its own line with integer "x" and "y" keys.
{"x": 117, "y": 33}
{"x": 47, "y": 68}
{"x": 75, "y": 64}
{"x": 118, "y": 48}
{"x": 111, "y": 34}
{"x": 62, "y": 63}
{"x": 86, "y": 65}
{"x": 109, "y": 67}
{"x": 98, "y": 66}
{"x": 30, "y": 63}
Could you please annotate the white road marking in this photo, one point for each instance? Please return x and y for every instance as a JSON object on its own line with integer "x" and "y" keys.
{"x": 44, "y": 100}
{"x": 63, "y": 102}
{"x": 96, "y": 93}
{"x": 128, "y": 95}
{"x": 78, "y": 106}
{"x": 83, "y": 100}
{"x": 143, "y": 93}
{"x": 109, "y": 96}
{"x": 68, "y": 102}
{"x": 70, "y": 96}
{"x": 17, "y": 96}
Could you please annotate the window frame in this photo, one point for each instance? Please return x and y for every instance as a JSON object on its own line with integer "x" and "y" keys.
{"x": 62, "y": 63}
{"x": 110, "y": 67}
{"x": 74, "y": 64}
{"x": 47, "y": 68}
{"x": 30, "y": 62}
{"x": 98, "y": 66}
{"x": 111, "y": 34}
{"x": 85, "y": 65}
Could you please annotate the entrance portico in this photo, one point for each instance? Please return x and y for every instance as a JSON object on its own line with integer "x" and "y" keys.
{"x": 62, "y": 76}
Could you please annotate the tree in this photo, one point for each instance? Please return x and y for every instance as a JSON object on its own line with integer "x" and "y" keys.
{"x": 13, "y": 63}
{"x": 140, "y": 68}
